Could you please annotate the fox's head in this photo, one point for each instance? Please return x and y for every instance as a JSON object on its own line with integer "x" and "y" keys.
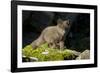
{"x": 64, "y": 24}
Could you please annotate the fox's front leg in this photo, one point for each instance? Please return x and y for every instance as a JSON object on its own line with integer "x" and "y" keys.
{"x": 61, "y": 43}
{"x": 52, "y": 45}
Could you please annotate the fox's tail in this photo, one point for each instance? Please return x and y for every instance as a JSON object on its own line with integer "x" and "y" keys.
{"x": 37, "y": 43}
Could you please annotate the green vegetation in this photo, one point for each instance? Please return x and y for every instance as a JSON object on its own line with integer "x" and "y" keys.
{"x": 44, "y": 53}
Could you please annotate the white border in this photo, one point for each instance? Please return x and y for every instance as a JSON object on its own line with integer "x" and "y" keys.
{"x": 20, "y": 64}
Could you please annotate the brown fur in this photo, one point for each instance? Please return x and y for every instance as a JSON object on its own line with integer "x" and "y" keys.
{"x": 53, "y": 35}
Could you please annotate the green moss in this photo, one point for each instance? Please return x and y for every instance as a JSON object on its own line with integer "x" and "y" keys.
{"x": 44, "y": 53}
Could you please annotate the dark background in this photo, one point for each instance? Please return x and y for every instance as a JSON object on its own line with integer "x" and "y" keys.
{"x": 78, "y": 37}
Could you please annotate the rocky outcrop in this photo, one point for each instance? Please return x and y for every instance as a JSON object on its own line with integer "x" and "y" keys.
{"x": 84, "y": 55}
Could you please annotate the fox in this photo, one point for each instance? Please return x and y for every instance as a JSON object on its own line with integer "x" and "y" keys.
{"x": 54, "y": 36}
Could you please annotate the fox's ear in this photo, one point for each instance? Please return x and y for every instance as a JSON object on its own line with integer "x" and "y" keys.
{"x": 59, "y": 21}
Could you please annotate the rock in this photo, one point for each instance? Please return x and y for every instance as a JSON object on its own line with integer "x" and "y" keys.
{"x": 32, "y": 59}
{"x": 29, "y": 59}
{"x": 84, "y": 55}
{"x": 44, "y": 53}
{"x": 76, "y": 53}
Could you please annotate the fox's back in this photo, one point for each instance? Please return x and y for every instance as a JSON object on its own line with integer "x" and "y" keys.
{"x": 51, "y": 34}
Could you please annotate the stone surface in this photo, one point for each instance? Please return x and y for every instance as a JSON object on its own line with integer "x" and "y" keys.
{"x": 76, "y": 53}
{"x": 84, "y": 55}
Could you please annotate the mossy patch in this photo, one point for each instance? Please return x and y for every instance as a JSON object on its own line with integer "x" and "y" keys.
{"x": 44, "y": 53}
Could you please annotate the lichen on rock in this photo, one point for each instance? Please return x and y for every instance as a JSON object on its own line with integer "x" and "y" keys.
{"x": 44, "y": 53}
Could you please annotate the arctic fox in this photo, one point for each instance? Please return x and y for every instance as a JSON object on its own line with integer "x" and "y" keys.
{"x": 53, "y": 35}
